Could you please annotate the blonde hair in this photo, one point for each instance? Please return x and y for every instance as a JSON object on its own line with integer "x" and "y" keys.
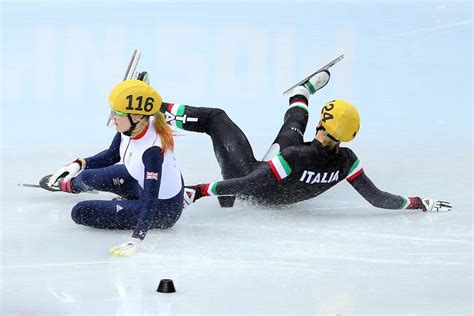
{"x": 164, "y": 131}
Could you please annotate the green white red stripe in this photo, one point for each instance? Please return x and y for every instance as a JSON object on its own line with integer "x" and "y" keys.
{"x": 300, "y": 105}
{"x": 280, "y": 167}
{"x": 406, "y": 202}
{"x": 210, "y": 189}
{"x": 355, "y": 171}
{"x": 176, "y": 110}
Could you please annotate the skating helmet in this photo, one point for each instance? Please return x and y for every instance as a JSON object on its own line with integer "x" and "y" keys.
{"x": 340, "y": 119}
{"x": 134, "y": 97}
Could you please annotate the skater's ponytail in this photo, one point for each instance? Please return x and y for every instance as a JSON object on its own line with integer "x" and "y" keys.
{"x": 165, "y": 132}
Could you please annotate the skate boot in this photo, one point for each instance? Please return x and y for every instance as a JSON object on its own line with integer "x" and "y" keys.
{"x": 194, "y": 192}
{"x": 191, "y": 194}
{"x": 43, "y": 183}
{"x": 313, "y": 84}
{"x": 60, "y": 185}
{"x": 143, "y": 76}
{"x": 318, "y": 81}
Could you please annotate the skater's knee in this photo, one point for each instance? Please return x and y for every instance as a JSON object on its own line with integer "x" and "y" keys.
{"x": 167, "y": 220}
{"x": 218, "y": 122}
{"x": 77, "y": 213}
{"x": 165, "y": 225}
{"x": 219, "y": 113}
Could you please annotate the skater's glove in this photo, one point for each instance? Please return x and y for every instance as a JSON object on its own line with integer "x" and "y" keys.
{"x": 126, "y": 249}
{"x": 430, "y": 205}
{"x": 67, "y": 172}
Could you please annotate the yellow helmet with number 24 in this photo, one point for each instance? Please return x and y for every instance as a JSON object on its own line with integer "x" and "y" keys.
{"x": 134, "y": 97}
{"x": 341, "y": 120}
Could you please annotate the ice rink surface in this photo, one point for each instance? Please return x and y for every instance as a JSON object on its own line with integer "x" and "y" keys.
{"x": 411, "y": 78}
{"x": 330, "y": 255}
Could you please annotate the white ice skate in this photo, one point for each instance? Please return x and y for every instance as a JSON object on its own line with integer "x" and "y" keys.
{"x": 312, "y": 76}
{"x": 189, "y": 196}
{"x": 315, "y": 83}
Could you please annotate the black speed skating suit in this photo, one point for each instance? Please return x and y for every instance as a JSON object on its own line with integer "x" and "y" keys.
{"x": 301, "y": 171}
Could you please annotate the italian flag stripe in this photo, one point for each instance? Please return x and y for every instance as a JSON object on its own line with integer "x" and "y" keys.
{"x": 280, "y": 168}
{"x": 180, "y": 110}
{"x": 355, "y": 175}
{"x": 300, "y": 105}
{"x": 210, "y": 189}
{"x": 173, "y": 108}
{"x": 214, "y": 188}
{"x": 406, "y": 202}
{"x": 355, "y": 171}
{"x": 354, "y": 165}
{"x": 177, "y": 110}
{"x": 205, "y": 189}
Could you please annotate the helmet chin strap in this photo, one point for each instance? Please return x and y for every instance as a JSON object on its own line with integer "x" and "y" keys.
{"x": 321, "y": 128}
{"x": 133, "y": 125}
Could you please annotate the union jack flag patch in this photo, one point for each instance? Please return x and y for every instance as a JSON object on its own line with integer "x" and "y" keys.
{"x": 152, "y": 175}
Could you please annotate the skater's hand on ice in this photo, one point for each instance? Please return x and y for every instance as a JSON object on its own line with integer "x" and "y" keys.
{"x": 126, "y": 249}
{"x": 431, "y": 205}
{"x": 68, "y": 171}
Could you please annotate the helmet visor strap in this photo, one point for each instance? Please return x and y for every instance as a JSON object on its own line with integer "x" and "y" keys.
{"x": 132, "y": 126}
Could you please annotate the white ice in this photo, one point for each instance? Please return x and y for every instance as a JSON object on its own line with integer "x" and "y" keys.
{"x": 335, "y": 254}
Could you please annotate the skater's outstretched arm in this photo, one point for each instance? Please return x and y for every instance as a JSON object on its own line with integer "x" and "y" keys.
{"x": 378, "y": 198}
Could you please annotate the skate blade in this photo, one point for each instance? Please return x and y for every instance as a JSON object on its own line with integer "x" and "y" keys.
{"x": 332, "y": 63}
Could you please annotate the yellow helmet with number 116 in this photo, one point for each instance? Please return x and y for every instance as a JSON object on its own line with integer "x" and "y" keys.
{"x": 341, "y": 120}
{"x": 134, "y": 97}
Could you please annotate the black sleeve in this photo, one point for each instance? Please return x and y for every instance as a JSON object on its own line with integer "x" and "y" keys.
{"x": 107, "y": 157}
{"x": 376, "y": 197}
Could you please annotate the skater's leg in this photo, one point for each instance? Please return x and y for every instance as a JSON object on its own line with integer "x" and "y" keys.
{"x": 125, "y": 214}
{"x": 231, "y": 147}
{"x": 107, "y": 214}
{"x": 294, "y": 126}
{"x": 296, "y": 117}
{"x": 115, "y": 179}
